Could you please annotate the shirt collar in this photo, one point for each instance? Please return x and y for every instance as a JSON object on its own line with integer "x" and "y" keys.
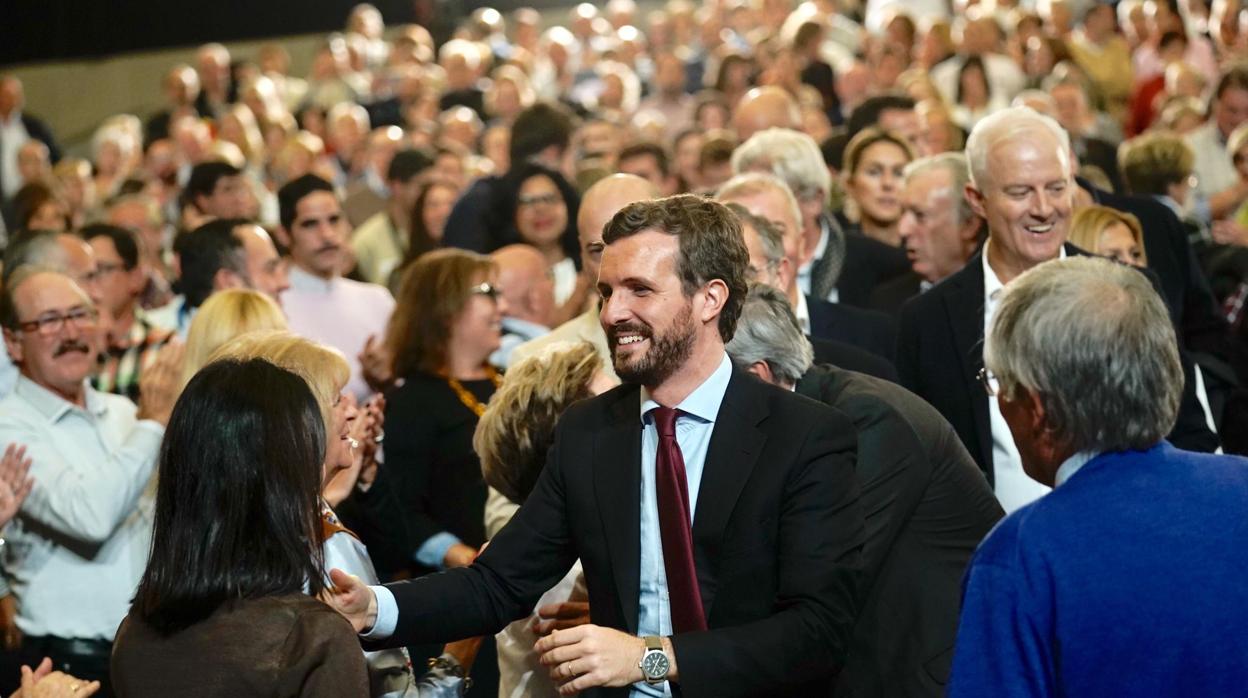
{"x": 1170, "y": 204}
{"x": 703, "y": 403}
{"x": 992, "y": 282}
{"x": 53, "y": 406}
{"x": 1071, "y": 465}
{"x": 801, "y": 311}
{"x": 301, "y": 280}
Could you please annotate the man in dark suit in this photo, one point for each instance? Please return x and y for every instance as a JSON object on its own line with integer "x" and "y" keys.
{"x": 928, "y": 506}
{"x": 938, "y": 229}
{"x": 770, "y": 199}
{"x": 1021, "y": 185}
{"x": 755, "y": 596}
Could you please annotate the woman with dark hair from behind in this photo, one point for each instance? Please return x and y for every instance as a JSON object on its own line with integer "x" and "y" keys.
{"x": 223, "y": 608}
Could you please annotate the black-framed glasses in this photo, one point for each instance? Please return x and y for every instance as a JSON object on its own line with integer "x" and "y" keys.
{"x": 535, "y": 199}
{"x": 52, "y": 323}
{"x": 485, "y": 288}
{"x": 988, "y": 380}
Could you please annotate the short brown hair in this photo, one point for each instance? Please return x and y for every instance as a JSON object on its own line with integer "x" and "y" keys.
{"x": 518, "y": 426}
{"x": 711, "y": 245}
{"x": 1152, "y": 162}
{"x": 434, "y": 290}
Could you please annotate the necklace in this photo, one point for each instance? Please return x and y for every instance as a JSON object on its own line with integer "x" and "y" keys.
{"x": 470, "y": 401}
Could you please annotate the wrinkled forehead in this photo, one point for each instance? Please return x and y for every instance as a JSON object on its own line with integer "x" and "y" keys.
{"x": 47, "y": 291}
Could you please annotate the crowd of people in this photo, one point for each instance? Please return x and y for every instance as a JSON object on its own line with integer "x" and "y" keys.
{"x": 742, "y": 348}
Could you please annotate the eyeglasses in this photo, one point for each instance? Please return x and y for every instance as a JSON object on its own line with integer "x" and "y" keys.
{"x": 535, "y": 199}
{"x": 485, "y": 288}
{"x": 105, "y": 268}
{"x": 52, "y": 323}
{"x": 988, "y": 380}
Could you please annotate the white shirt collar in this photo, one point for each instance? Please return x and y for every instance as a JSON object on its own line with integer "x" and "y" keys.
{"x": 802, "y": 312}
{"x": 992, "y": 282}
{"x": 1071, "y": 465}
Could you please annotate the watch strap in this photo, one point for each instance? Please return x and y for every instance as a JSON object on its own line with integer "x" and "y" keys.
{"x": 653, "y": 642}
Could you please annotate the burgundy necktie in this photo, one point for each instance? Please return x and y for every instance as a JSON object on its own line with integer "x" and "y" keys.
{"x": 684, "y": 597}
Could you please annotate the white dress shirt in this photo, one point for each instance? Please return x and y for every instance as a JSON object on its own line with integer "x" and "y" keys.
{"x": 78, "y": 548}
{"x": 1013, "y": 487}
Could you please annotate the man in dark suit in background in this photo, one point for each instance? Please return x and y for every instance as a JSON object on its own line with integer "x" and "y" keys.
{"x": 755, "y": 596}
{"x": 1021, "y": 185}
{"x": 928, "y": 505}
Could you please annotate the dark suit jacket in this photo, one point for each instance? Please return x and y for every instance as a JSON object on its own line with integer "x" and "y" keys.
{"x": 852, "y": 358}
{"x": 868, "y": 263}
{"x": 866, "y": 329}
{"x": 940, "y": 352}
{"x": 889, "y": 296}
{"x": 928, "y": 507}
{"x": 776, "y": 535}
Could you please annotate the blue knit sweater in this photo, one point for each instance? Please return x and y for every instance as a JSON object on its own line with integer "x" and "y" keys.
{"x": 1130, "y": 579}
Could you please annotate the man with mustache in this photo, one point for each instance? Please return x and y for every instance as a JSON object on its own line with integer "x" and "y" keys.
{"x": 75, "y": 555}
{"x": 320, "y": 304}
{"x": 717, "y": 517}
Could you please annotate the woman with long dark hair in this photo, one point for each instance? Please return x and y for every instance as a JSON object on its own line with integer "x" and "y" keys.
{"x": 227, "y": 604}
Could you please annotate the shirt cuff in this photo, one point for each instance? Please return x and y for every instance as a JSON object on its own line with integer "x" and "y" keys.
{"x": 432, "y": 553}
{"x": 387, "y": 615}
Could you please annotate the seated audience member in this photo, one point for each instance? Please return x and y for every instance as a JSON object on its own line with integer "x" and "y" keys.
{"x": 765, "y": 108}
{"x": 927, "y": 504}
{"x": 649, "y": 161}
{"x": 320, "y": 304}
{"x": 236, "y": 560}
{"x": 132, "y": 340}
{"x": 938, "y": 229}
{"x": 600, "y": 202}
{"x": 770, "y": 266}
{"x": 769, "y": 197}
{"x": 37, "y": 207}
{"x": 1014, "y": 152}
{"x": 223, "y": 253}
{"x": 350, "y": 441}
{"x": 1161, "y": 166}
{"x": 540, "y": 133}
{"x": 1217, "y": 181}
{"x": 69, "y": 560}
{"x": 524, "y": 282}
{"x": 540, "y": 209}
{"x": 381, "y": 242}
{"x": 512, "y": 438}
{"x": 1049, "y": 583}
{"x": 141, "y": 215}
{"x": 874, "y": 164}
{"x": 715, "y": 161}
{"x": 220, "y": 190}
{"x": 225, "y": 316}
{"x": 831, "y": 264}
{"x": 1109, "y": 233}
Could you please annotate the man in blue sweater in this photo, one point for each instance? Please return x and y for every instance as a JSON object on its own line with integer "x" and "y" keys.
{"x": 1127, "y": 579}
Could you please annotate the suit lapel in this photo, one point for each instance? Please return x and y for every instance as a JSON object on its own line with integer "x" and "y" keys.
{"x": 964, "y": 304}
{"x": 736, "y": 443}
{"x": 617, "y": 484}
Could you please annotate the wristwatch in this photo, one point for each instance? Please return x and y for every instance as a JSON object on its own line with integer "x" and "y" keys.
{"x": 654, "y": 663}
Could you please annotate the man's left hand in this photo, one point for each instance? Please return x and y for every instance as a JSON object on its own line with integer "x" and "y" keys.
{"x": 590, "y": 655}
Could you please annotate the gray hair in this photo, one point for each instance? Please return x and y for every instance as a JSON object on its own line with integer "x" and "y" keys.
{"x": 1094, "y": 341}
{"x": 768, "y": 234}
{"x": 768, "y": 332}
{"x": 791, "y": 155}
{"x": 1007, "y": 124}
{"x": 752, "y": 183}
{"x": 37, "y": 248}
{"x": 959, "y": 175}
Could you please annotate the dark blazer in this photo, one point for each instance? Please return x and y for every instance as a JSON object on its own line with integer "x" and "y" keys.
{"x": 777, "y": 534}
{"x": 868, "y": 263}
{"x": 852, "y": 358}
{"x": 940, "y": 352}
{"x": 866, "y": 329}
{"x": 928, "y": 507}
{"x": 889, "y": 296}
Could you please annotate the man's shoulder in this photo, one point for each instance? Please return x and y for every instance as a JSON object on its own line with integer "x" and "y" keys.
{"x": 919, "y": 308}
{"x": 579, "y": 329}
{"x": 368, "y": 292}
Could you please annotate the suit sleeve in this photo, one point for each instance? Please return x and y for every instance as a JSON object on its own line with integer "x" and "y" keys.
{"x": 908, "y": 349}
{"x": 818, "y": 567}
{"x": 527, "y": 557}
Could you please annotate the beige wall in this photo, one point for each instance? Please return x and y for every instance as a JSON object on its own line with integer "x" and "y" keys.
{"x": 74, "y": 97}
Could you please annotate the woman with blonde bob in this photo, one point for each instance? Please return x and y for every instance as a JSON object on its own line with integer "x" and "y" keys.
{"x": 346, "y": 467}
{"x": 512, "y": 439}
{"x": 1109, "y": 233}
{"x": 224, "y": 316}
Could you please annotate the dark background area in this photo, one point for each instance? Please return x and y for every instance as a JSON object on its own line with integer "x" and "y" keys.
{"x": 44, "y": 30}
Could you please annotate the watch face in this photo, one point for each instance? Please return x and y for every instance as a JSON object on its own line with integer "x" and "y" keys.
{"x": 654, "y": 664}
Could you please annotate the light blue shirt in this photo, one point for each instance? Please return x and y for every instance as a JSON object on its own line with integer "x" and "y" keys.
{"x": 693, "y": 432}
{"x": 694, "y": 425}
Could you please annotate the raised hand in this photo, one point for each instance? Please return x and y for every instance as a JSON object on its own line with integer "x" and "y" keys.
{"x": 15, "y": 483}
{"x": 352, "y": 598}
{"x": 161, "y": 383}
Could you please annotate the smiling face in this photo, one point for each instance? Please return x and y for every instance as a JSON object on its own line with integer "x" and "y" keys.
{"x": 57, "y": 360}
{"x": 477, "y": 329}
{"x": 541, "y": 215}
{"x": 876, "y": 182}
{"x": 338, "y": 453}
{"x": 1026, "y": 199}
{"x": 648, "y": 319}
